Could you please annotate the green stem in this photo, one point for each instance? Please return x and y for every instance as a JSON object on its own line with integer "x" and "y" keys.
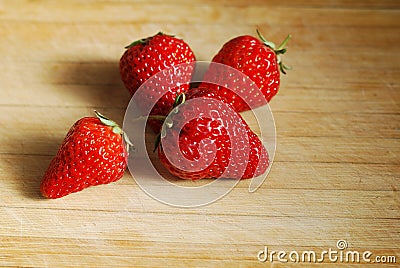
{"x": 115, "y": 129}
{"x": 265, "y": 41}
{"x": 278, "y": 51}
{"x": 284, "y": 43}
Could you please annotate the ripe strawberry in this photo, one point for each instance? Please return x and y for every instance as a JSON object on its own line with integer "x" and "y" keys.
{"x": 259, "y": 60}
{"x": 92, "y": 153}
{"x": 145, "y": 58}
{"x": 200, "y": 126}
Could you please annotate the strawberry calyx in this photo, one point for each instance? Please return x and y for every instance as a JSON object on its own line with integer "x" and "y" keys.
{"x": 278, "y": 50}
{"x": 180, "y": 99}
{"x": 145, "y": 40}
{"x": 116, "y": 129}
{"x": 108, "y": 122}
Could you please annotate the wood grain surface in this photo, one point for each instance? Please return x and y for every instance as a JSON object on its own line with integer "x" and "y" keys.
{"x": 336, "y": 173}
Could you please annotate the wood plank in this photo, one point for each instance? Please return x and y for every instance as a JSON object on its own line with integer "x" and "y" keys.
{"x": 43, "y": 133}
{"x": 284, "y": 175}
{"x": 338, "y": 4}
{"x": 93, "y": 42}
{"x": 272, "y": 202}
{"x": 88, "y": 71}
{"x": 48, "y": 133}
{"x": 325, "y": 124}
{"x": 350, "y": 150}
{"x": 78, "y": 11}
{"x": 220, "y": 229}
{"x": 324, "y": 197}
{"x": 128, "y": 252}
{"x": 86, "y": 84}
{"x": 338, "y": 125}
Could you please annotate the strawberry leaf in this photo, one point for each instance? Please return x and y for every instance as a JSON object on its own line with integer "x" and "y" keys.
{"x": 137, "y": 42}
{"x": 284, "y": 43}
{"x": 265, "y": 41}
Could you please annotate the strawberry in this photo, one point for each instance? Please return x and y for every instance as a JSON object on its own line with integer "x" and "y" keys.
{"x": 92, "y": 153}
{"x": 199, "y": 126}
{"x": 259, "y": 60}
{"x": 145, "y": 58}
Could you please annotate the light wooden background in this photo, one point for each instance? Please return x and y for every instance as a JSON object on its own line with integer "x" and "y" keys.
{"x": 335, "y": 176}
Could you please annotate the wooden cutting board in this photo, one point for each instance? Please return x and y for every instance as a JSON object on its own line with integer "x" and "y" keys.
{"x": 336, "y": 170}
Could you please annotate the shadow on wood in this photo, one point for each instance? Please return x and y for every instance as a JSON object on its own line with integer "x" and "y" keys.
{"x": 28, "y": 169}
{"x": 91, "y": 83}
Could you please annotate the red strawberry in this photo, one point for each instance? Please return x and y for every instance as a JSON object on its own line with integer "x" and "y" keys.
{"x": 92, "y": 153}
{"x": 200, "y": 125}
{"x": 145, "y": 58}
{"x": 259, "y": 60}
